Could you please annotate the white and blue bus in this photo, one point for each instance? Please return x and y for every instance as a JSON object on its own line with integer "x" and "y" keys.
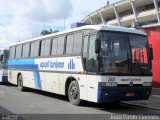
{"x": 3, "y": 66}
{"x": 96, "y": 63}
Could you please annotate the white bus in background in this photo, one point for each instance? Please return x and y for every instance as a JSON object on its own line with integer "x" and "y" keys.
{"x": 3, "y": 66}
{"x": 96, "y": 63}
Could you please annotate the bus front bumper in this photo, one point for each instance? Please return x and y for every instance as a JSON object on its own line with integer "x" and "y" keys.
{"x": 117, "y": 94}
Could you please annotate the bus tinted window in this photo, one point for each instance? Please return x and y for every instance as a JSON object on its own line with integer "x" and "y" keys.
{"x": 32, "y": 50}
{"x": 47, "y": 47}
{"x": 74, "y": 43}
{"x": 18, "y": 51}
{"x": 54, "y": 46}
{"x": 60, "y": 45}
{"x": 36, "y": 49}
{"x": 12, "y": 52}
{"x": 42, "y": 48}
{"x": 69, "y": 46}
{"x": 26, "y": 49}
{"x": 77, "y": 43}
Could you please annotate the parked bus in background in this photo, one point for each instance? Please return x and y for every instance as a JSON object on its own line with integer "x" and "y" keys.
{"x": 3, "y": 66}
{"x": 96, "y": 63}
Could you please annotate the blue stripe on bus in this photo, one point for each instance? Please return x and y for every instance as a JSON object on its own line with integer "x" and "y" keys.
{"x": 26, "y": 65}
{"x": 23, "y": 67}
{"x": 37, "y": 79}
{"x": 21, "y": 62}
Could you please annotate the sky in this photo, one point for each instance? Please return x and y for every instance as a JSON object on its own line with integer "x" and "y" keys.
{"x": 25, "y": 19}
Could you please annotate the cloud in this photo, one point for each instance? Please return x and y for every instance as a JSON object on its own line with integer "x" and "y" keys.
{"x": 23, "y": 19}
{"x": 38, "y": 10}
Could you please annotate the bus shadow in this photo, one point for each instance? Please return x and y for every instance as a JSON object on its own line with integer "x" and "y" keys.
{"x": 47, "y": 94}
{"x": 115, "y": 108}
{"x": 7, "y": 84}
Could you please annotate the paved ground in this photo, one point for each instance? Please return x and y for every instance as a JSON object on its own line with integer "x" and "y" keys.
{"x": 36, "y": 102}
{"x": 153, "y": 102}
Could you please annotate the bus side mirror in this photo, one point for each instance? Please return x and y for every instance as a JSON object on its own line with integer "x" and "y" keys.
{"x": 97, "y": 46}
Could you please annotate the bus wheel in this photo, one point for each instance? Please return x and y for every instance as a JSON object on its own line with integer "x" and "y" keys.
{"x": 74, "y": 93}
{"x": 20, "y": 83}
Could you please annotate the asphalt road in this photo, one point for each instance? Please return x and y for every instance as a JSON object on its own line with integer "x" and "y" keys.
{"x": 13, "y": 101}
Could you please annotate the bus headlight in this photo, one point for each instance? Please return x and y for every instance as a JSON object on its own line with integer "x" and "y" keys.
{"x": 147, "y": 84}
{"x": 109, "y": 84}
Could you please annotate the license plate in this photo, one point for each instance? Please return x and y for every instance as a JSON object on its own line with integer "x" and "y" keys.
{"x": 129, "y": 94}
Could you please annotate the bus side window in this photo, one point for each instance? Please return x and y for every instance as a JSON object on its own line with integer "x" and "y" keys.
{"x": 26, "y": 48}
{"x": 42, "y": 48}
{"x": 18, "y": 51}
{"x": 77, "y": 47}
{"x": 54, "y": 46}
{"x": 60, "y": 48}
{"x": 45, "y": 47}
{"x": 32, "y": 50}
{"x": 36, "y": 49}
{"x": 69, "y": 44}
{"x": 12, "y": 52}
{"x": 85, "y": 50}
{"x": 92, "y": 62}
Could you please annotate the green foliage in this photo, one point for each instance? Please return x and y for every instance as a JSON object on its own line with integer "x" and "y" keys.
{"x": 47, "y": 32}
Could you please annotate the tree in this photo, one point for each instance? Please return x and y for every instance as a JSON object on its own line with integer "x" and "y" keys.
{"x": 55, "y": 31}
{"x": 47, "y": 32}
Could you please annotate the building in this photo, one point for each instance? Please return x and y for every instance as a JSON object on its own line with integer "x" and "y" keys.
{"x": 128, "y": 13}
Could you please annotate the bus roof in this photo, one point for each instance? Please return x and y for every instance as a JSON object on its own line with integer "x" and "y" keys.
{"x": 93, "y": 27}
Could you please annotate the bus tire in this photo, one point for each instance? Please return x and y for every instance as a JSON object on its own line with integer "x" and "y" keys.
{"x": 74, "y": 93}
{"x": 20, "y": 83}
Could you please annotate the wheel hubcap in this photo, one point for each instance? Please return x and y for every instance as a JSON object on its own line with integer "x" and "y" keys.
{"x": 74, "y": 92}
{"x": 20, "y": 83}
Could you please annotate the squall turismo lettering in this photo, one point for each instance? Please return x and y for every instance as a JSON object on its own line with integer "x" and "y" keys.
{"x": 51, "y": 64}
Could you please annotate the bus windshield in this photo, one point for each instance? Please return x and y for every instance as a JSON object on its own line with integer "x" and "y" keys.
{"x": 123, "y": 53}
